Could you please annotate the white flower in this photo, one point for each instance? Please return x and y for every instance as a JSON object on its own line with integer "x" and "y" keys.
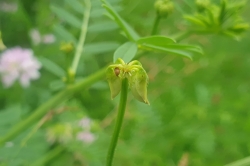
{"x": 18, "y": 64}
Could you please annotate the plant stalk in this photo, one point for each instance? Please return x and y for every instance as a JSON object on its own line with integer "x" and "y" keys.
{"x": 84, "y": 29}
{"x": 120, "y": 115}
{"x": 156, "y": 24}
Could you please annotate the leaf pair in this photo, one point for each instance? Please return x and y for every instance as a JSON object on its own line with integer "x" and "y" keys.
{"x": 136, "y": 75}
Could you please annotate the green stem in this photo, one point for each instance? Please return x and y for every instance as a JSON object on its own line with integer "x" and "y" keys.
{"x": 120, "y": 115}
{"x": 53, "y": 102}
{"x": 183, "y": 35}
{"x": 80, "y": 44}
{"x": 156, "y": 24}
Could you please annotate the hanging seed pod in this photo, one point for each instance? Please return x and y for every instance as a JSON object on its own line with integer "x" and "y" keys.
{"x": 114, "y": 82}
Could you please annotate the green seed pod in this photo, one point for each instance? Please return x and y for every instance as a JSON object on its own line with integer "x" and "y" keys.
{"x": 114, "y": 81}
{"x": 164, "y": 7}
{"x": 138, "y": 82}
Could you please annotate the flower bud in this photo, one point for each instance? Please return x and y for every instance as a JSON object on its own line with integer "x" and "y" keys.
{"x": 202, "y": 5}
{"x": 164, "y": 7}
{"x": 67, "y": 47}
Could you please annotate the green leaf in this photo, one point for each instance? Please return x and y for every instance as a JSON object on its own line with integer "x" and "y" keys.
{"x": 127, "y": 51}
{"x": 195, "y": 21}
{"x": 130, "y": 33}
{"x": 100, "y": 47}
{"x": 66, "y": 16}
{"x": 182, "y": 50}
{"x": 102, "y": 27}
{"x": 64, "y": 34}
{"x": 52, "y": 67}
{"x": 76, "y": 5}
{"x": 156, "y": 40}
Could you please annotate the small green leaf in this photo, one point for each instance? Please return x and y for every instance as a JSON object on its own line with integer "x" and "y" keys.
{"x": 52, "y": 67}
{"x": 100, "y": 47}
{"x": 76, "y": 5}
{"x": 195, "y": 21}
{"x": 127, "y": 51}
{"x": 156, "y": 40}
{"x": 102, "y": 27}
{"x": 64, "y": 34}
{"x": 114, "y": 82}
{"x": 130, "y": 33}
{"x": 183, "y": 50}
{"x": 66, "y": 16}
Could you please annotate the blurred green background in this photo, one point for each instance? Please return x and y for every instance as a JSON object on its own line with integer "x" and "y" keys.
{"x": 199, "y": 113}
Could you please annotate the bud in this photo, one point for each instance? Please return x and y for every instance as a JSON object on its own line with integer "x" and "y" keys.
{"x": 202, "y": 5}
{"x": 164, "y": 7}
{"x": 66, "y": 47}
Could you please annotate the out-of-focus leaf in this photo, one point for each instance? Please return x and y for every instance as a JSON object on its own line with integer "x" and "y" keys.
{"x": 10, "y": 115}
{"x": 182, "y": 50}
{"x": 76, "y": 5}
{"x": 127, "y": 51}
{"x": 102, "y": 26}
{"x": 195, "y": 20}
{"x": 64, "y": 34}
{"x": 130, "y": 33}
{"x": 100, "y": 47}
{"x": 156, "y": 40}
{"x": 66, "y": 16}
{"x": 52, "y": 67}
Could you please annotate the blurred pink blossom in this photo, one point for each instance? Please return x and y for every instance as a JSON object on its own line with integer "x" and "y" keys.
{"x": 18, "y": 64}
{"x": 86, "y": 136}
{"x": 85, "y": 123}
{"x": 8, "y": 7}
{"x": 37, "y": 38}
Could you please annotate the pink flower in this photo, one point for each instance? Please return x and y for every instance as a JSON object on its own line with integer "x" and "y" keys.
{"x": 37, "y": 38}
{"x": 18, "y": 64}
{"x": 85, "y": 123}
{"x": 86, "y": 136}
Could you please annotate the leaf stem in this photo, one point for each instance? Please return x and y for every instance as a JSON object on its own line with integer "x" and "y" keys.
{"x": 156, "y": 24}
{"x": 84, "y": 29}
{"x": 120, "y": 115}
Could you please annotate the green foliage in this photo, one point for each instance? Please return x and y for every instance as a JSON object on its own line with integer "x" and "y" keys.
{"x": 199, "y": 110}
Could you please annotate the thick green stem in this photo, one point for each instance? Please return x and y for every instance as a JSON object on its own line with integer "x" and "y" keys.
{"x": 120, "y": 115}
{"x": 80, "y": 44}
{"x": 53, "y": 102}
{"x": 156, "y": 24}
